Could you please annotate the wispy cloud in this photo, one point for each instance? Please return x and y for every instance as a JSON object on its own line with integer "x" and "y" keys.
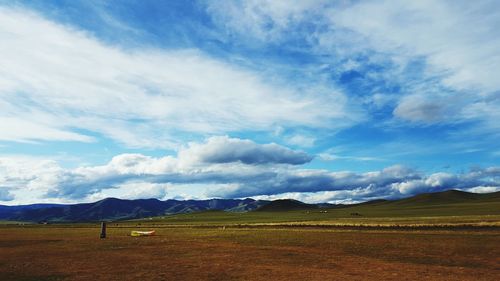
{"x": 72, "y": 82}
{"x": 333, "y": 157}
{"x": 455, "y": 44}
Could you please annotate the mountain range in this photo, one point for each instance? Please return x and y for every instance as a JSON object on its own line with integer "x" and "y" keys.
{"x": 119, "y": 209}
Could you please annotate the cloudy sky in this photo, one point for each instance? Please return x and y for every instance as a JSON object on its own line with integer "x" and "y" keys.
{"x": 320, "y": 101}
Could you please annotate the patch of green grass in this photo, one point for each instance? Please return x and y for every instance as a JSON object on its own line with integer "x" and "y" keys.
{"x": 378, "y": 213}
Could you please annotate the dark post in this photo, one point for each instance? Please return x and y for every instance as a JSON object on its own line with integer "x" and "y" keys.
{"x": 103, "y": 230}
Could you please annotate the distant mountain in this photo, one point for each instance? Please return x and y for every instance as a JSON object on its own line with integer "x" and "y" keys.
{"x": 7, "y": 211}
{"x": 118, "y": 209}
{"x": 285, "y": 205}
{"x": 443, "y": 203}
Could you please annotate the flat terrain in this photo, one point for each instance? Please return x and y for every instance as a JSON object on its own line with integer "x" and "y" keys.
{"x": 313, "y": 218}
{"x": 181, "y": 252}
{"x": 442, "y": 236}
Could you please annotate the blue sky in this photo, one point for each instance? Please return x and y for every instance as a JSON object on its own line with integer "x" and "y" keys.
{"x": 313, "y": 100}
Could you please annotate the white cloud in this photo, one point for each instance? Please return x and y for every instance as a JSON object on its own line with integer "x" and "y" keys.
{"x": 133, "y": 190}
{"x": 456, "y": 41}
{"x": 137, "y": 175}
{"x": 484, "y": 189}
{"x": 334, "y": 197}
{"x": 334, "y": 157}
{"x": 261, "y": 19}
{"x": 209, "y": 162}
{"x": 228, "y": 150}
{"x": 26, "y": 130}
{"x": 456, "y": 38}
{"x": 301, "y": 140}
{"x": 71, "y": 83}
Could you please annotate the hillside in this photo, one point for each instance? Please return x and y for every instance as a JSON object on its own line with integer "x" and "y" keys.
{"x": 119, "y": 209}
{"x": 431, "y": 206}
{"x": 284, "y": 205}
{"x": 447, "y": 197}
{"x": 447, "y": 203}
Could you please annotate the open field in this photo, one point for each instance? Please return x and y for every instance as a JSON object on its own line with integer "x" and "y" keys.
{"x": 428, "y": 237}
{"x": 314, "y": 218}
{"x": 74, "y": 252}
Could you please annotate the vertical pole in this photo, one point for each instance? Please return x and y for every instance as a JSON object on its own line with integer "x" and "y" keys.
{"x": 103, "y": 230}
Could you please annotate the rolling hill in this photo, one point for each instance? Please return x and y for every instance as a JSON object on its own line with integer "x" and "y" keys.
{"x": 283, "y": 205}
{"x": 446, "y": 197}
{"x": 119, "y": 209}
{"x": 452, "y": 205}
{"x": 447, "y": 203}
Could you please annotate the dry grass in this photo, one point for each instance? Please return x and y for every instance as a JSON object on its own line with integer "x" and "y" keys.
{"x": 76, "y": 253}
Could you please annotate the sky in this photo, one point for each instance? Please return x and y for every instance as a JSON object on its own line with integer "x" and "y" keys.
{"x": 319, "y": 101}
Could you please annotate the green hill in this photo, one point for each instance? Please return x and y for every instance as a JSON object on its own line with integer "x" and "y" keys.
{"x": 447, "y": 197}
{"x": 449, "y": 204}
{"x": 284, "y": 205}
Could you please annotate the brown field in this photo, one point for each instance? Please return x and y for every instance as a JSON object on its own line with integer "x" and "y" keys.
{"x": 294, "y": 253}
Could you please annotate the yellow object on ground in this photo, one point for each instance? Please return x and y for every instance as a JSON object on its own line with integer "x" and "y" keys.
{"x": 142, "y": 233}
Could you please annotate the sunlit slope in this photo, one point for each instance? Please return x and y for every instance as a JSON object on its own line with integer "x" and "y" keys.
{"x": 448, "y": 203}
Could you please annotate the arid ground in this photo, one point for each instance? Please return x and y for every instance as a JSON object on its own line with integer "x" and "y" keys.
{"x": 75, "y": 252}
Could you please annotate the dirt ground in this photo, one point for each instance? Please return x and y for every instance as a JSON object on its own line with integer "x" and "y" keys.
{"x": 72, "y": 253}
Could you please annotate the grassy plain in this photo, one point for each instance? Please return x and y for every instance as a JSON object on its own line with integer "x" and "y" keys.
{"x": 414, "y": 239}
{"x": 412, "y": 211}
{"x": 74, "y": 252}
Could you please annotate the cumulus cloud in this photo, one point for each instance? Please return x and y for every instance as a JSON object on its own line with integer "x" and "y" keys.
{"x": 63, "y": 88}
{"x": 301, "y": 180}
{"x": 484, "y": 189}
{"x": 334, "y": 197}
{"x": 208, "y": 162}
{"x": 228, "y": 150}
{"x": 236, "y": 176}
{"x": 134, "y": 190}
